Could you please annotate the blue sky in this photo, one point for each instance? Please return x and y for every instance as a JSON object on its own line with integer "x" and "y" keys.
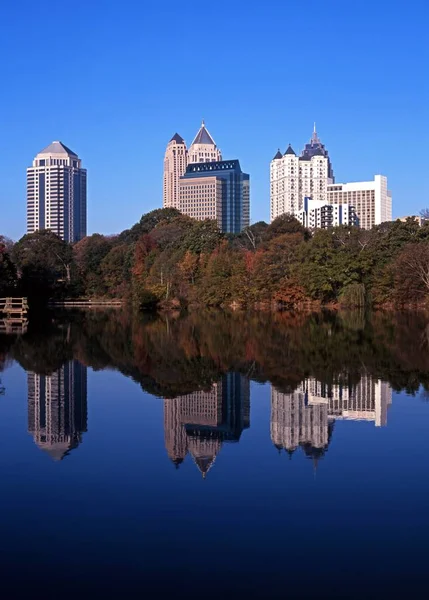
{"x": 115, "y": 80}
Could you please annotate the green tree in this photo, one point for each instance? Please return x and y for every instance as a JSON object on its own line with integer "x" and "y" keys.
{"x": 45, "y": 264}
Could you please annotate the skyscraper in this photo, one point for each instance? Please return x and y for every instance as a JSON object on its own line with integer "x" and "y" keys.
{"x": 292, "y": 178}
{"x": 175, "y": 161}
{"x": 219, "y": 191}
{"x": 56, "y": 193}
{"x": 57, "y": 408}
{"x": 177, "y": 157}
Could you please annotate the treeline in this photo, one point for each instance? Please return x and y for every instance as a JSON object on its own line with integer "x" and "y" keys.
{"x": 168, "y": 259}
{"x": 174, "y": 354}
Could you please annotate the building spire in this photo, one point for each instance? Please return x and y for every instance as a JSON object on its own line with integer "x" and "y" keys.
{"x": 314, "y": 137}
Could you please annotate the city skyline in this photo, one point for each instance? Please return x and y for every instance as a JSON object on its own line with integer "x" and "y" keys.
{"x": 370, "y": 117}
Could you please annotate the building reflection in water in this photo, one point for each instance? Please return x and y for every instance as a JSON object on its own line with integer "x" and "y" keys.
{"x": 199, "y": 423}
{"x": 305, "y": 417}
{"x": 57, "y": 409}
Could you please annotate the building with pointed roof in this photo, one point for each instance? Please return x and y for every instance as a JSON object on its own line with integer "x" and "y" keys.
{"x": 178, "y": 157}
{"x": 175, "y": 161}
{"x": 292, "y": 177}
{"x": 203, "y": 148}
{"x": 56, "y": 193}
{"x": 200, "y": 422}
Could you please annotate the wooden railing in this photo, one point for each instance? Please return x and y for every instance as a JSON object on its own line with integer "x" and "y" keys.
{"x": 14, "y": 307}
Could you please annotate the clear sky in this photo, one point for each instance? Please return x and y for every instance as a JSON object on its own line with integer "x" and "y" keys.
{"x": 115, "y": 80}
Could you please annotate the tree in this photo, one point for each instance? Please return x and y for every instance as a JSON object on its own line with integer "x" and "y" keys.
{"x": 89, "y": 254}
{"x": 412, "y": 272}
{"x": 45, "y": 263}
{"x": 285, "y": 224}
{"x": 8, "y": 277}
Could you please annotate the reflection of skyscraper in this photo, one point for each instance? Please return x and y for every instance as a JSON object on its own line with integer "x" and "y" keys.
{"x": 200, "y": 422}
{"x": 366, "y": 400}
{"x": 296, "y": 422}
{"x": 57, "y": 408}
{"x": 306, "y": 416}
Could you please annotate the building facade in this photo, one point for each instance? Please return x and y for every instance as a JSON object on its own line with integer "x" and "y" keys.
{"x": 216, "y": 190}
{"x": 56, "y": 193}
{"x": 318, "y": 214}
{"x": 293, "y": 177}
{"x": 371, "y": 200}
{"x": 177, "y": 157}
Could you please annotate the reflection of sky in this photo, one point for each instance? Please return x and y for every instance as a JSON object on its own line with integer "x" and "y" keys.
{"x": 116, "y": 505}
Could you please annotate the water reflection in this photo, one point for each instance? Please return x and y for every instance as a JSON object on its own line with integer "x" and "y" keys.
{"x": 200, "y": 422}
{"x": 57, "y": 409}
{"x": 322, "y": 367}
{"x": 305, "y": 418}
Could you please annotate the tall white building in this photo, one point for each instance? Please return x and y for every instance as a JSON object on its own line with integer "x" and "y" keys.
{"x": 56, "y": 193}
{"x": 293, "y": 177}
{"x": 371, "y": 200}
{"x": 177, "y": 157}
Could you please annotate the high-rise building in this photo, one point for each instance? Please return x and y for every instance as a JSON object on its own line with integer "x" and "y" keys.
{"x": 318, "y": 214}
{"x": 56, "y": 193}
{"x": 199, "y": 423}
{"x": 175, "y": 161}
{"x": 178, "y": 157}
{"x": 371, "y": 200}
{"x": 57, "y": 408}
{"x": 293, "y": 177}
{"x": 216, "y": 190}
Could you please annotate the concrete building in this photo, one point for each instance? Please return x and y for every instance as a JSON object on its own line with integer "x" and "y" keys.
{"x": 371, "y": 200}
{"x": 216, "y": 190}
{"x": 199, "y": 423}
{"x": 175, "y": 162}
{"x": 293, "y": 177}
{"x": 317, "y": 214}
{"x": 57, "y": 409}
{"x": 177, "y": 157}
{"x": 56, "y": 193}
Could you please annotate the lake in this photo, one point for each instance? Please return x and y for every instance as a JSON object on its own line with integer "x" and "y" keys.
{"x": 219, "y": 454}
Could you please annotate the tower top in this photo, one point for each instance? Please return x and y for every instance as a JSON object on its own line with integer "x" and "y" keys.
{"x": 314, "y": 137}
{"x": 203, "y": 136}
{"x": 58, "y": 148}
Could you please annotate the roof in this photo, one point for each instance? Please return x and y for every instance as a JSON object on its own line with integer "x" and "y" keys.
{"x": 177, "y": 138}
{"x": 290, "y": 150}
{"x": 218, "y": 165}
{"x": 57, "y": 148}
{"x": 278, "y": 155}
{"x": 203, "y": 136}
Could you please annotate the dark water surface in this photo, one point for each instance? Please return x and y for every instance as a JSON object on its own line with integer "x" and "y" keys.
{"x": 215, "y": 455}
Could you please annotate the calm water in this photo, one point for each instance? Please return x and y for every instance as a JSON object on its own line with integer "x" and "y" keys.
{"x": 213, "y": 455}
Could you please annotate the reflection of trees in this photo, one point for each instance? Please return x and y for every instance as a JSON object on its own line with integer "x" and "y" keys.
{"x": 175, "y": 355}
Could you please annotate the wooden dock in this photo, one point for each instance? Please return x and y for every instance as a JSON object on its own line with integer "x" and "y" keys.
{"x": 14, "y": 311}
